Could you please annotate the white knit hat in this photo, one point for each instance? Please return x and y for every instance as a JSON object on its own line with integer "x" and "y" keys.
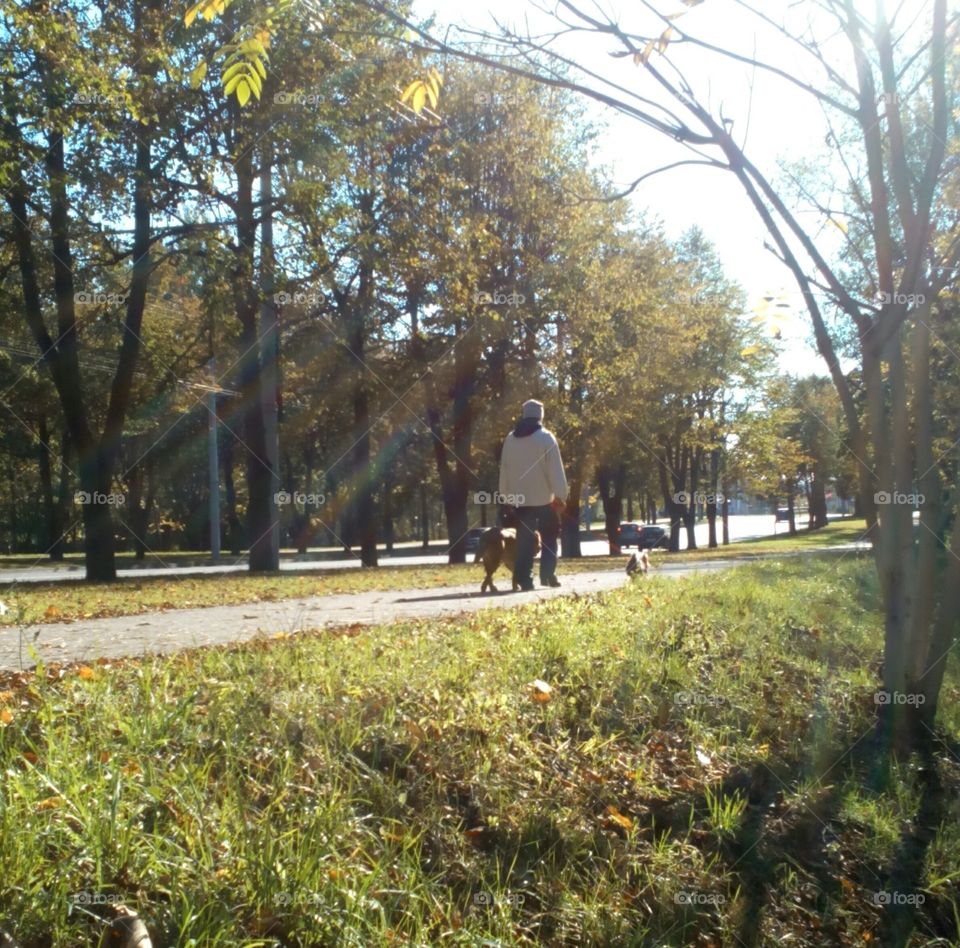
{"x": 533, "y": 409}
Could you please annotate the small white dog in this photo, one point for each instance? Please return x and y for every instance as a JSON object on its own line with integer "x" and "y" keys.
{"x": 638, "y": 564}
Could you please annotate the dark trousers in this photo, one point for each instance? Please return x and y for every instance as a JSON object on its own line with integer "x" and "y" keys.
{"x": 529, "y": 519}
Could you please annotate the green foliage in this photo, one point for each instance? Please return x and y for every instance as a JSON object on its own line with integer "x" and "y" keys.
{"x": 363, "y": 787}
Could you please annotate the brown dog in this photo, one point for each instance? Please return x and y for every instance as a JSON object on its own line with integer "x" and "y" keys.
{"x": 498, "y": 545}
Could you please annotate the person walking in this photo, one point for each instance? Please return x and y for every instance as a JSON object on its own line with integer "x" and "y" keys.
{"x": 531, "y": 475}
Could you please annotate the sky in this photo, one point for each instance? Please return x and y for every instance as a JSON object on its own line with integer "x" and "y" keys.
{"x": 778, "y": 120}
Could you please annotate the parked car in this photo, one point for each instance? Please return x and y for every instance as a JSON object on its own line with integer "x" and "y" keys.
{"x": 629, "y": 534}
{"x": 472, "y": 540}
{"x": 653, "y": 537}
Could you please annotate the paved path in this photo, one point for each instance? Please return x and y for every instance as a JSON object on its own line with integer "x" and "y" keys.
{"x": 170, "y": 631}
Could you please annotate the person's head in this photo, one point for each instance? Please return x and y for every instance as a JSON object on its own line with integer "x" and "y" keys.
{"x": 532, "y": 409}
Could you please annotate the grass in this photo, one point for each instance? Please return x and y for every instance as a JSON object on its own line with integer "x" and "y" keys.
{"x": 31, "y": 603}
{"x": 836, "y": 533}
{"x": 674, "y": 763}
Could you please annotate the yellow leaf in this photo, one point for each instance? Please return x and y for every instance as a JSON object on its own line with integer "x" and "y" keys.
{"x": 232, "y": 84}
{"x": 419, "y": 98}
{"x": 198, "y": 75}
{"x": 191, "y": 14}
{"x": 664, "y": 40}
{"x": 234, "y": 70}
{"x": 6, "y": 716}
{"x": 50, "y": 803}
{"x": 85, "y": 672}
{"x": 615, "y": 816}
{"x": 409, "y": 91}
{"x": 52, "y": 612}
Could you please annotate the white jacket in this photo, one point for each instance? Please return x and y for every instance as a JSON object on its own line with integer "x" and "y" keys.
{"x": 531, "y": 468}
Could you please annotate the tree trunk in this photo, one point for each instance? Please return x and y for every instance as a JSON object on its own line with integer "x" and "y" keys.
{"x": 712, "y": 499}
{"x": 228, "y": 455}
{"x": 270, "y": 357}
{"x": 694, "y": 460}
{"x": 63, "y": 500}
{"x": 424, "y": 519}
{"x": 261, "y": 507}
{"x": 672, "y": 477}
{"x": 610, "y": 479}
{"x": 726, "y": 519}
{"x": 570, "y": 519}
{"x": 818, "y": 503}
{"x": 51, "y": 525}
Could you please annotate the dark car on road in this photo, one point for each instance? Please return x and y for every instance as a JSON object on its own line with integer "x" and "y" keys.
{"x": 643, "y": 536}
{"x": 653, "y": 537}
{"x": 628, "y": 534}
{"x": 472, "y": 540}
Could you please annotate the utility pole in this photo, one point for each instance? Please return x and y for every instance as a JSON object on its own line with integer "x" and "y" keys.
{"x": 270, "y": 341}
{"x": 213, "y": 460}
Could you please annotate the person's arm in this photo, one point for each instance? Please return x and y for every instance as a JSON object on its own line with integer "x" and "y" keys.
{"x": 504, "y": 461}
{"x": 556, "y": 477}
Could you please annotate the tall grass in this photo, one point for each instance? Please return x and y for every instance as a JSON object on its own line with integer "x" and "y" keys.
{"x": 623, "y": 769}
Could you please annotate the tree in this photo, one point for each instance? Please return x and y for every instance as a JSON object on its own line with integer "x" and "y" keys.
{"x": 894, "y": 101}
{"x": 40, "y": 115}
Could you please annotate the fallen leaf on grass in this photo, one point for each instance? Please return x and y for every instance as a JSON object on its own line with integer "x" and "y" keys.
{"x": 615, "y": 816}
{"x": 85, "y": 672}
{"x": 540, "y": 691}
{"x": 6, "y": 716}
{"x": 50, "y": 803}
